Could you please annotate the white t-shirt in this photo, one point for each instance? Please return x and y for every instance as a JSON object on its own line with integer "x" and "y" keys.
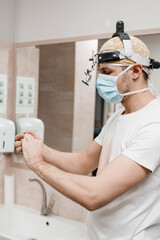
{"x": 136, "y": 212}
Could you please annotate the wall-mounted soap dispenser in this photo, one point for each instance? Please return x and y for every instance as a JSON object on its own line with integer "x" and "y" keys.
{"x": 7, "y": 135}
{"x": 35, "y": 124}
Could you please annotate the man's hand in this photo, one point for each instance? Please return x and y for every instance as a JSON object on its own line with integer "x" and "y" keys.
{"x": 19, "y": 137}
{"x": 32, "y": 150}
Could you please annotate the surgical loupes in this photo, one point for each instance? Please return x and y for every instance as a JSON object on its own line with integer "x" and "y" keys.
{"x": 88, "y": 76}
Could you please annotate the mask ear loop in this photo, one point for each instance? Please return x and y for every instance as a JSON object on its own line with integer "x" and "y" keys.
{"x": 124, "y": 70}
{"x": 132, "y": 92}
{"x": 121, "y": 73}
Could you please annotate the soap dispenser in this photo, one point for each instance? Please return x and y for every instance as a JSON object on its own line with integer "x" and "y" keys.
{"x": 35, "y": 124}
{"x": 7, "y": 135}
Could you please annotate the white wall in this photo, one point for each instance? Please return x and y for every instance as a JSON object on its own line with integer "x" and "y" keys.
{"x": 36, "y": 20}
{"x": 6, "y": 20}
{"x": 84, "y": 97}
{"x": 153, "y": 43}
{"x": 50, "y": 19}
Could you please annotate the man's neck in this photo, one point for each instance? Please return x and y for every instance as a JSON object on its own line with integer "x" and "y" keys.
{"x": 135, "y": 102}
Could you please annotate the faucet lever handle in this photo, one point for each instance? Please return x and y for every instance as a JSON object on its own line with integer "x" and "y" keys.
{"x": 51, "y": 204}
{"x": 48, "y": 210}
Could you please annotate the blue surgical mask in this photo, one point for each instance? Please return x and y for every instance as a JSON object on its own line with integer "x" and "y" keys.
{"x": 107, "y": 87}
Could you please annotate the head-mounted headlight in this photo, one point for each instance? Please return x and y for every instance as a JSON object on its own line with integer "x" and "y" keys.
{"x": 116, "y": 55}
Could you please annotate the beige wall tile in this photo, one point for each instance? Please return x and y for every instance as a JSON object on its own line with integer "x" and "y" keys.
{"x": 27, "y": 65}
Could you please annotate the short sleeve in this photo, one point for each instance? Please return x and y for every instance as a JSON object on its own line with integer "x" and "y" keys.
{"x": 99, "y": 139}
{"x": 144, "y": 147}
{"x": 110, "y": 121}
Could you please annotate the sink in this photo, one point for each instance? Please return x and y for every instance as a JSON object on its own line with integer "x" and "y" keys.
{"x": 20, "y": 223}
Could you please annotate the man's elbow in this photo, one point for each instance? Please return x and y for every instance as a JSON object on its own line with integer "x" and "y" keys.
{"x": 92, "y": 207}
{"x": 93, "y": 203}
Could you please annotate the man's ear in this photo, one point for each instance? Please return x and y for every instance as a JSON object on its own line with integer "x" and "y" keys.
{"x": 136, "y": 71}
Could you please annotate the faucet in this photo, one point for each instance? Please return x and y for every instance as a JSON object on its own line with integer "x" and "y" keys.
{"x": 44, "y": 210}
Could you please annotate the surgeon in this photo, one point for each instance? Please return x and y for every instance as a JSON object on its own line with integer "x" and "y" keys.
{"x": 123, "y": 199}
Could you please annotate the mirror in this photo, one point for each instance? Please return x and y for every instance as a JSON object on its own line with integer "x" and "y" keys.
{"x": 60, "y": 99}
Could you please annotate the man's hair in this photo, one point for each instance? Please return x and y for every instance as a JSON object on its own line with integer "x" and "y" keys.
{"x": 145, "y": 75}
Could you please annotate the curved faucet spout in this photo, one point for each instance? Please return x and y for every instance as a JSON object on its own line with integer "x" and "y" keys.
{"x": 44, "y": 210}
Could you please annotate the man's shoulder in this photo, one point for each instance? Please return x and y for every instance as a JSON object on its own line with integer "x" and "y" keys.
{"x": 153, "y": 110}
{"x": 115, "y": 115}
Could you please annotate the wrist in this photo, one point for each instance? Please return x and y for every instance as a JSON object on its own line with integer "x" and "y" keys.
{"x": 38, "y": 168}
{"x": 37, "y": 165}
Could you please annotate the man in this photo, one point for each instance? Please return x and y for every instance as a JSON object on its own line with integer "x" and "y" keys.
{"x": 123, "y": 198}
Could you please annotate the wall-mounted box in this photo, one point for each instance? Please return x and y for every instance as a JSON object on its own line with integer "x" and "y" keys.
{"x": 7, "y": 135}
{"x": 35, "y": 124}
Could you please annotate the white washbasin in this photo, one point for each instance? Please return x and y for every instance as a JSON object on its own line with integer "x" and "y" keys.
{"x": 20, "y": 223}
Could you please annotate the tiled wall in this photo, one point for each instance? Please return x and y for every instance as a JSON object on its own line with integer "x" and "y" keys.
{"x": 27, "y": 65}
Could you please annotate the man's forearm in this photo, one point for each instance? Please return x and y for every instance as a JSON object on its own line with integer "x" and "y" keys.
{"x": 68, "y": 162}
{"x": 76, "y": 187}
